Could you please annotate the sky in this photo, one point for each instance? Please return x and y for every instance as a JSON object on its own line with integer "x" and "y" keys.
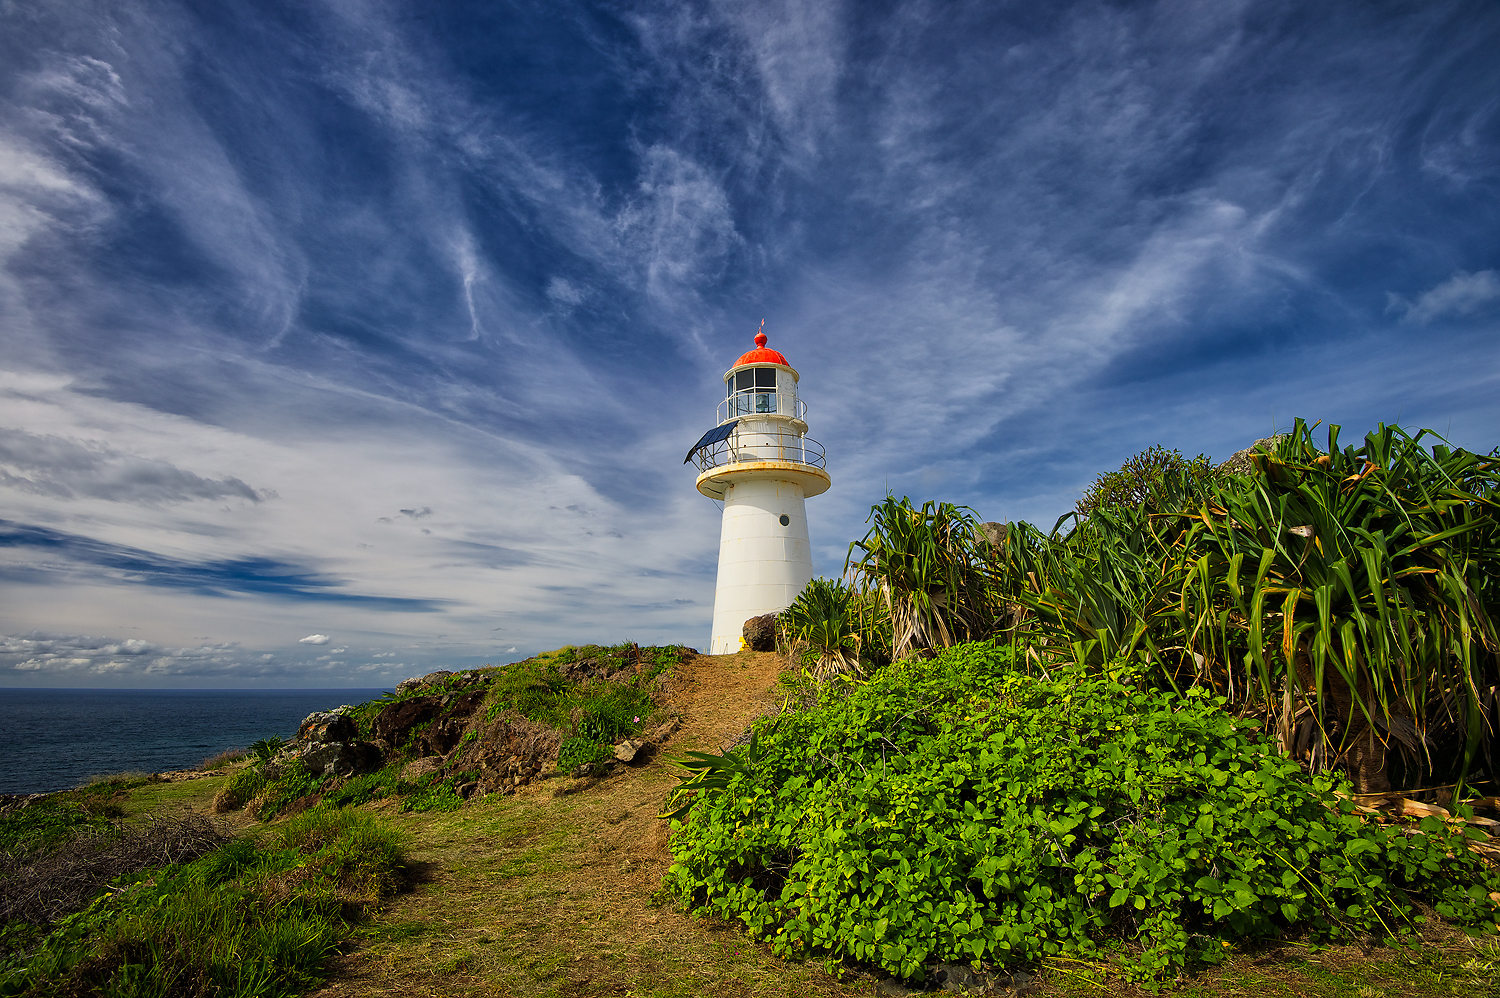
{"x": 341, "y": 341}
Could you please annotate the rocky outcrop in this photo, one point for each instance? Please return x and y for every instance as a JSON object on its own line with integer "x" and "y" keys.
{"x": 437, "y": 727}
{"x": 760, "y": 633}
{"x": 507, "y": 753}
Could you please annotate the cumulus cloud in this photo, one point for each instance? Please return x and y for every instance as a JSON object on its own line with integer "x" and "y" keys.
{"x": 315, "y": 639}
{"x": 1461, "y": 296}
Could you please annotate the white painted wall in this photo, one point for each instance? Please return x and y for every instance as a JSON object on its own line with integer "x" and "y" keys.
{"x": 762, "y": 564}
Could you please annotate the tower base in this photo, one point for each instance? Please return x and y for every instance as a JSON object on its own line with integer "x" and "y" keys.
{"x": 763, "y": 562}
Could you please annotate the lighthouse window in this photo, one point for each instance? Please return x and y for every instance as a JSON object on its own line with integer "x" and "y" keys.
{"x": 753, "y": 390}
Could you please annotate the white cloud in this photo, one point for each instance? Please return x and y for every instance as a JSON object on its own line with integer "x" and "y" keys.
{"x": 314, "y": 639}
{"x": 679, "y": 223}
{"x": 1460, "y": 296}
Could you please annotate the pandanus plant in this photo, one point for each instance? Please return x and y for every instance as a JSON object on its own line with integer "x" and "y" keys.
{"x": 1362, "y": 580}
{"x": 822, "y": 627}
{"x": 1347, "y": 596}
{"x": 927, "y": 565}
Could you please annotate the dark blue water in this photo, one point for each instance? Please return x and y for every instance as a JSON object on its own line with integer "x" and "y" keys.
{"x": 57, "y": 739}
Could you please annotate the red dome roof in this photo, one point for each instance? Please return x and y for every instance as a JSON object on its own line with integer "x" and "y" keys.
{"x": 761, "y": 354}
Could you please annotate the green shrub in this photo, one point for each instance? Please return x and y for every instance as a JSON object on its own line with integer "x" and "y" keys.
{"x": 290, "y": 784}
{"x": 1157, "y": 479}
{"x": 43, "y": 824}
{"x": 958, "y": 810}
{"x": 240, "y": 789}
{"x": 362, "y": 789}
{"x": 927, "y": 564}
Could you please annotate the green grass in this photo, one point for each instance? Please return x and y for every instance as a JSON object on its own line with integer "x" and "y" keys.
{"x": 248, "y": 919}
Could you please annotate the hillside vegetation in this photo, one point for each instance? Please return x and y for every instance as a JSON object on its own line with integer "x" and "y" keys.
{"x": 1214, "y": 726}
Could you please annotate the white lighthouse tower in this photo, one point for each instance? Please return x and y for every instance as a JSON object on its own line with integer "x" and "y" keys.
{"x": 761, "y": 463}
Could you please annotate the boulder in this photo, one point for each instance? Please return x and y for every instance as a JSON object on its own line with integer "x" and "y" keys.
{"x": 418, "y": 768}
{"x": 327, "y": 726}
{"x": 995, "y": 533}
{"x": 507, "y": 753}
{"x": 342, "y": 758}
{"x": 394, "y": 722}
{"x": 760, "y": 633}
{"x": 1239, "y": 462}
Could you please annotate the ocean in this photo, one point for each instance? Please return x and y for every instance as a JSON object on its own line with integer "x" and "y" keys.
{"x": 58, "y": 739}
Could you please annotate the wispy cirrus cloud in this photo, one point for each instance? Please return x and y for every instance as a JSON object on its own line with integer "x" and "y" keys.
{"x": 63, "y": 468}
{"x": 427, "y": 309}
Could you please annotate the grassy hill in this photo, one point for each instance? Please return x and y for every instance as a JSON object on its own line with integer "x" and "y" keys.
{"x": 556, "y": 889}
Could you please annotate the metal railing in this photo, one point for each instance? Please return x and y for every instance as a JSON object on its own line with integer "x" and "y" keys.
{"x": 761, "y": 402}
{"x": 760, "y": 445}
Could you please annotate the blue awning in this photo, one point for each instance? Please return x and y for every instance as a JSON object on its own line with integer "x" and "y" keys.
{"x": 713, "y": 436}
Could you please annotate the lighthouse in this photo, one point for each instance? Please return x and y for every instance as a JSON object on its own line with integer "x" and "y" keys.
{"x": 760, "y": 462}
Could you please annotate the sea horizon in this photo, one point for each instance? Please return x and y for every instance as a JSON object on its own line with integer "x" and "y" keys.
{"x": 58, "y": 738}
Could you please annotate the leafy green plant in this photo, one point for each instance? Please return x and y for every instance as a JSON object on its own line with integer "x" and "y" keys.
{"x": 265, "y": 749}
{"x": 581, "y": 751}
{"x": 49, "y": 822}
{"x": 1345, "y": 595}
{"x": 959, "y": 809}
{"x": 291, "y": 783}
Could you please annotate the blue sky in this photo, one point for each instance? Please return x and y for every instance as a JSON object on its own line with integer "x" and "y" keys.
{"x": 341, "y": 341}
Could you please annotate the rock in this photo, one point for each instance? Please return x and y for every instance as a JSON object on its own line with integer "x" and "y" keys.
{"x": 960, "y": 978}
{"x": 505, "y": 749}
{"x": 341, "y": 758}
{"x": 760, "y": 633}
{"x": 449, "y": 726}
{"x": 433, "y": 678}
{"x": 995, "y": 533}
{"x": 327, "y": 726}
{"x": 1239, "y": 462}
{"x": 627, "y": 750}
{"x": 418, "y": 768}
{"x": 394, "y": 721}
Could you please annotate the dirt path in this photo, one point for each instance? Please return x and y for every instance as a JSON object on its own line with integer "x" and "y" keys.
{"x": 553, "y": 891}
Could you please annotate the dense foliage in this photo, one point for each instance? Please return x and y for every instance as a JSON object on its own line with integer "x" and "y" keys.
{"x": 927, "y": 565}
{"x": 1347, "y": 595}
{"x": 960, "y": 809}
{"x": 1154, "y": 480}
{"x": 822, "y": 628}
{"x": 246, "y": 919}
